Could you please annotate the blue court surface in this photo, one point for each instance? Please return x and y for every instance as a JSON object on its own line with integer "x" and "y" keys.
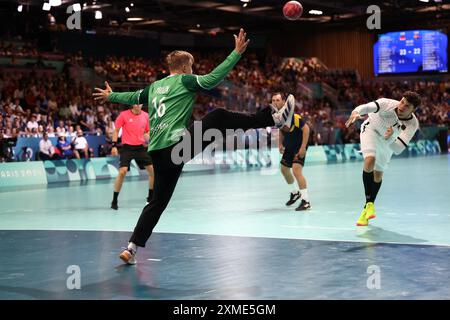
{"x": 230, "y": 236}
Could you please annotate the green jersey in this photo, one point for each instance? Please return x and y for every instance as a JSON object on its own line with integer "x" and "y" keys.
{"x": 170, "y": 101}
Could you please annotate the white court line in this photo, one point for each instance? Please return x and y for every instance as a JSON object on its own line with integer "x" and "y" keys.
{"x": 154, "y": 260}
{"x": 209, "y": 291}
{"x": 253, "y": 236}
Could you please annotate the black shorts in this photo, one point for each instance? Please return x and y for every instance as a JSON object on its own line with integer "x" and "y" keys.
{"x": 138, "y": 153}
{"x": 290, "y": 157}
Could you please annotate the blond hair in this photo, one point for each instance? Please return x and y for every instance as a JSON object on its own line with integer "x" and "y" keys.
{"x": 176, "y": 59}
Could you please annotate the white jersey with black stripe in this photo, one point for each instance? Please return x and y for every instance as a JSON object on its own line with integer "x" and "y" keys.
{"x": 382, "y": 116}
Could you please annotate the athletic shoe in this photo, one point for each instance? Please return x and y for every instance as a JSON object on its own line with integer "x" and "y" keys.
{"x": 362, "y": 220}
{"x": 128, "y": 256}
{"x": 304, "y": 205}
{"x": 283, "y": 117}
{"x": 294, "y": 197}
{"x": 370, "y": 211}
{"x": 114, "y": 205}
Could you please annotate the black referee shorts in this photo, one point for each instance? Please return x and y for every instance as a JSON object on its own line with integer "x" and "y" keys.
{"x": 138, "y": 153}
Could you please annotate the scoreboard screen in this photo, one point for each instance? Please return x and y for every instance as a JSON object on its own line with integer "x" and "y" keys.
{"x": 415, "y": 51}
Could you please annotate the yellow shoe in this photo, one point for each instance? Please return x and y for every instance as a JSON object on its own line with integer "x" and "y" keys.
{"x": 370, "y": 211}
{"x": 362, "y": 220}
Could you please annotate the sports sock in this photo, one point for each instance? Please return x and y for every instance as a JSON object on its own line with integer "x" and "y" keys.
{"x": 304, "y": 193}
{"x": 116, "y": 194}
{"x": 132, "y": 246}
{"x": 375, "y": 188}
{"x": 368, "y": 184}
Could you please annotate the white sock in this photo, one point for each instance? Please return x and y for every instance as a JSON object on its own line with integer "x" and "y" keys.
{"x": 132, "y": 246}
{"x": 295, "y": 190}
{"x": 304, "y": 193}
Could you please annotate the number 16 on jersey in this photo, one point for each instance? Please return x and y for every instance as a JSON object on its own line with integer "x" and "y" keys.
{"x": 160, "y": 107}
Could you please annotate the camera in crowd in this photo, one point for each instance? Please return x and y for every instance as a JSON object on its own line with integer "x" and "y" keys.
{"x": 6, "y": 148}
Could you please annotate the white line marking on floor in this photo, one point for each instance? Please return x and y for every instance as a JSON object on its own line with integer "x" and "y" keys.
{"x": 154, "y": 260}
{"x": 209, "y": 291}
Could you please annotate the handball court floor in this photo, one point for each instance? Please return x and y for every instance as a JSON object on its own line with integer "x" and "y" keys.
{"x": 230, "y": 236}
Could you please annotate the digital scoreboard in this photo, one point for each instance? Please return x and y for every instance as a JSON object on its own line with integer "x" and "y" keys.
{"x": 415, "y": 51}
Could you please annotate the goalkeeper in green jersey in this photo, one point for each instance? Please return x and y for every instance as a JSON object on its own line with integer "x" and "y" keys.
{"x": 170, "y": 102}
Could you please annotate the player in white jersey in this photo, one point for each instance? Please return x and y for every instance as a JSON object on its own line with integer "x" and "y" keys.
{"x": 390, "y": 126}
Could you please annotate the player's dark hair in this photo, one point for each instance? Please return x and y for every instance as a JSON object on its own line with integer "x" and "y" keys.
{"x": 412, "y": 98}
{"x": 276, "y": 93}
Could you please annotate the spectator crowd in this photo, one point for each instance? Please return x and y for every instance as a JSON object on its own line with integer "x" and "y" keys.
{"x": 58, "y": 106}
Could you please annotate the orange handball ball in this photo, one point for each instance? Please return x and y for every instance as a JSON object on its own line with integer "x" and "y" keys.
{"x": 292, "y": 10}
